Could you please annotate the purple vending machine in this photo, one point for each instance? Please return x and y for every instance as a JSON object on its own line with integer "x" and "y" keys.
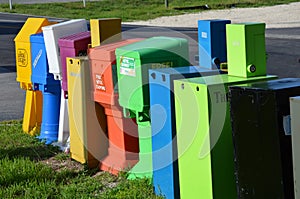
{"x": 71, "y": 46}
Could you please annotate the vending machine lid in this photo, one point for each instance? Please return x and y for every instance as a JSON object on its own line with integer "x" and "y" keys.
{"x": 107, "y": 52}
{"x": 71, "y": 40}
{"x": 277, "y": 84}
{"x": 31, "y": 26}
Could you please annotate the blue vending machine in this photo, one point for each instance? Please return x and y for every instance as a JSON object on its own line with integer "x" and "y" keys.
{"x": 212, "y": 42}
{"x": 162, "y": 108}
{"x": 212, "y": 47}
{"x": 44, "y": 81}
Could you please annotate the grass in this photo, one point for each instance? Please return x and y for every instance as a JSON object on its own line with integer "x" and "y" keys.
{"x": 14, "y": 143}
{"x": 130, "y": 10}
{"x": 23, "y": 173}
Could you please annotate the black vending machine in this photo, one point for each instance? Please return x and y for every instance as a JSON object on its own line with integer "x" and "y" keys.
{"x": 260, "y": 118}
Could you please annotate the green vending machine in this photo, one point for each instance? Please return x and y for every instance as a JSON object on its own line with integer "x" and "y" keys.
{"x": 204, "y": 136}
{"x": 246, "y": 53}
{"x": 133, "y": 62}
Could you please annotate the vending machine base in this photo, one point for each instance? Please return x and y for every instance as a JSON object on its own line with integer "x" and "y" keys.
{"x": 32, "y": 118}
{"x": 123, "y": 152}
{"x": 143, "y": 169}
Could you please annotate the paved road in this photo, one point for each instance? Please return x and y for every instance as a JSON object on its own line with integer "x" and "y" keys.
{"x": 39, "y": 1}
{"x": 283, "y": 48}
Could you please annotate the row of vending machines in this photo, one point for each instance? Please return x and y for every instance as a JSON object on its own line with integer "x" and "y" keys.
{"x": 223, "y": 129}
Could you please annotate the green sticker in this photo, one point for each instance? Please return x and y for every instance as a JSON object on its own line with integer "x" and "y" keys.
{"x": 127, "y": 66}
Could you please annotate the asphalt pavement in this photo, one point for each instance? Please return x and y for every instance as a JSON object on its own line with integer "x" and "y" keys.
{"x": 39, "y": 1}
{"x": 282, "y": 45}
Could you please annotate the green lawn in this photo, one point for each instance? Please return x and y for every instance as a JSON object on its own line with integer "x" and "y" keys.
{"x": 130, "y": 10}
{"x": 23, "y": 171}
{"x": 25, "y": 174}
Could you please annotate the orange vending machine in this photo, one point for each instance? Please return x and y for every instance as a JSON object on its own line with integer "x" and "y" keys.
{"x": 122, "y": 132}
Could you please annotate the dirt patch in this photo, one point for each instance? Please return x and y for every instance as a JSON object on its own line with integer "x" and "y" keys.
{"x": 59, "y": 165}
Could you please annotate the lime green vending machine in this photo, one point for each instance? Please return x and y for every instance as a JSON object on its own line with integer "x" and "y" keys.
{"x": 133, "y": 62}
{"x": 204, "y": 135}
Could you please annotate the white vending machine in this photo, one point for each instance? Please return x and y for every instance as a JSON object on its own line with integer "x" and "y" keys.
{"x": 52, "y": 34}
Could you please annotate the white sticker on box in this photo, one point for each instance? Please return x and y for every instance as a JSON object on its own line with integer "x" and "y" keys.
{"x": 204, "y": 35}
{"x": 38, "y": 56}
{"x": 287, "y": 124}
{"x": 127, "y": 66}
{"x": 99, "y": 82}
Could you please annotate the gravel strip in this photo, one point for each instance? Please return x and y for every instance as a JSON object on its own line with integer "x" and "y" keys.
{"x": 280, "y": 16}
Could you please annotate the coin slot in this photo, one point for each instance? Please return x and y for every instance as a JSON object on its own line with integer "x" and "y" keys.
{"x": 163, "y": 78}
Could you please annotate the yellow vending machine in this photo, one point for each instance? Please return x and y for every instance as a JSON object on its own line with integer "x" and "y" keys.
{"x": 105, "y": 31}
{"x": 33, "y": 105}
{"x": 87, "y": 121}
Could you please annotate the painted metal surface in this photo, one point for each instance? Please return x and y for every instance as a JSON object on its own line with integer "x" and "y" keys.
{"x": 260, "y": 117}
{"x": 162, "y": 108}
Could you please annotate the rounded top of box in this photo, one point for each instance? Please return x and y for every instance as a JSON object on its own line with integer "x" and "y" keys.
{"x": 107, "y": 52}
{"x": 156, "y": 47}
